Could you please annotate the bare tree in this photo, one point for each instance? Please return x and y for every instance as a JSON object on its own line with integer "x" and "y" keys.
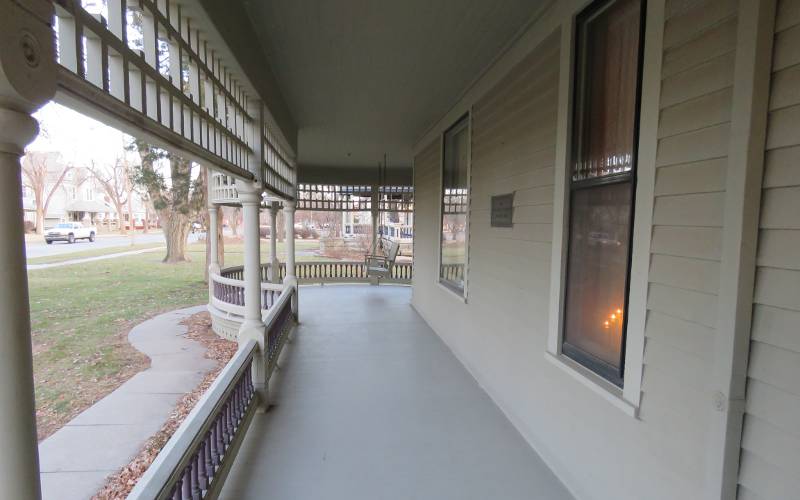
{"x": 236, "y": 217}
{"x": 37, "y": 177}
{"x": 117, "y": 184}
{"x": 176, "y": 201}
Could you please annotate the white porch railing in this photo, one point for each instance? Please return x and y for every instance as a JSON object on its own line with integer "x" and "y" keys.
{"x": 340, "y": 272}
{"x": 195, "y": 461}
{"x": 228, "y": 294}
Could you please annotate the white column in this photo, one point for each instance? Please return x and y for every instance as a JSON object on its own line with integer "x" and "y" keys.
{"x": 19, "y": 467}
{"x": 273, "y": 242}
{"x": 27, "y": 81}
{"x": 213, "y": 244}
{"x": 291, "y": 278}
{"x": 253, "y": 326}
{"x": 212, "y": 233}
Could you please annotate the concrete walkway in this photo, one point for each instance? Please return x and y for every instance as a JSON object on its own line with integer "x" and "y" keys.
{"x": 33, "y": 267}
{"x": 76, "y": 460}
{"x": 370, "y": 404}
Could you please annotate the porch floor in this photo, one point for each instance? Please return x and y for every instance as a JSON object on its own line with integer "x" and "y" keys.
{"x": 370, "y": 404}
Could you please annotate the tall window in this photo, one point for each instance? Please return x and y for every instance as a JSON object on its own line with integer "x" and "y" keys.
{"x": 455, "y": 203}
{"x": 602, "y": 183}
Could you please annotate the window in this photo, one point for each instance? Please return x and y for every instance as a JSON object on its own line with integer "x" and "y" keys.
{"x": 88, "y": 193}
{"x": 455, "y": 202}
{"x": 601, "y": 184}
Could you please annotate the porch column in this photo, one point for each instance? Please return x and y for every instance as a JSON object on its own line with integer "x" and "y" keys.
{"x": 273, "y": 242}
{"x": 291, "y": 278}
{"x": 253, "y": 326}
{"x": 27, "y": 81}
{"x": 213, "y": 242}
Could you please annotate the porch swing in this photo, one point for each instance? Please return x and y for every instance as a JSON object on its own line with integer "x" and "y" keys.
{"x": 380, "y": 261}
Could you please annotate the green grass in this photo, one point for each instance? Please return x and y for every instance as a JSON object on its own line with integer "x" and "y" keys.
{"x": 50, "y": 259}
{"x": 234, "y": 253}
{"x": 81, "y": 313}
{"x": 80, "y": 316}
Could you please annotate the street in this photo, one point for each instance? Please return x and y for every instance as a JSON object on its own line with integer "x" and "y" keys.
{"x": 41, "y": 249}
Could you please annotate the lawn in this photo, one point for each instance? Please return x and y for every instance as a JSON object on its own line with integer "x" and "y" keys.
{"x": 81, "y": 314}
{"x": 92, "y": 253}
{"x": 80, "y": 317}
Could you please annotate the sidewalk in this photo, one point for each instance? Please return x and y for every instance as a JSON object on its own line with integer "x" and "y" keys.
{"x": 33, "y": 267}
{"x": 75, "y": 461}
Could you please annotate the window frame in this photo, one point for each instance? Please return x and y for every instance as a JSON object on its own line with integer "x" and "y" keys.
{"x": 612, "y": 374}
{"x": 464, "y": 120}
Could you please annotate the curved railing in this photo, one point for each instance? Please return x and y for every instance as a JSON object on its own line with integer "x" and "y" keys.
{"x": 228, "y": 290}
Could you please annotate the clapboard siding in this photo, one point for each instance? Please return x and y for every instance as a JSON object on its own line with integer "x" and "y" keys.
{"x": 689, "y": 23}
{"x": 781, "y": 167}
{"x": 770, "y": 465}
{"x": 688, "y": 216}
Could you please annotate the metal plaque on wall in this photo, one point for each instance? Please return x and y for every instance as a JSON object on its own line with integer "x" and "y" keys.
{"x": 503, "y": 210}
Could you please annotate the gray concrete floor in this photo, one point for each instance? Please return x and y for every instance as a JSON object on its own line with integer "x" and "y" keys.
{"x": 370, "y": 404}
{"x": 76, "y": 460}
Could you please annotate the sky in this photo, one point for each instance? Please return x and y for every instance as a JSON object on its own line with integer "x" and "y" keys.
{"x": 82, "y": 140}
{"x": 78, "y": 138}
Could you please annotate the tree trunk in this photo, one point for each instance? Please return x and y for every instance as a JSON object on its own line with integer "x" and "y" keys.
{"x": 130, "y": 217}
{"x": 120, "y": 218}
{"x": 39, "y": 220}
{"x": 176, "y": 231}
{"x": 235, "y": 222}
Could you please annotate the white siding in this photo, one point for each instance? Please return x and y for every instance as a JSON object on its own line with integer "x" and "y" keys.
{"x": 691, "y": 162}
{"x": 500, "y": 334}
{"x": 770, "y": 465}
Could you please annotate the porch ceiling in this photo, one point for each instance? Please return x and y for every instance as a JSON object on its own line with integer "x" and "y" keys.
{"x": 364, "y": 77}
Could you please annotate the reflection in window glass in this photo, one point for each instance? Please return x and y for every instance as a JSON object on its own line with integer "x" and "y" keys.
{"x": 455, "y": 202}
{"x": 598, "y": 269}
{"x": 608, "y": 47}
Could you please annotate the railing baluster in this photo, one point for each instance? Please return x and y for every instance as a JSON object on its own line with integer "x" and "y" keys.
{"x": 194, "y": 478}
{"x": 187, "y": 484}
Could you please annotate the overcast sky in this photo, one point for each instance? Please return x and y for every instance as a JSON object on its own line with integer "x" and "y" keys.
{"x": 78, "y": 138}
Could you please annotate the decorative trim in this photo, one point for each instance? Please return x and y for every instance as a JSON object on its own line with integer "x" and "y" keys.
{"x": 749, "y": 117}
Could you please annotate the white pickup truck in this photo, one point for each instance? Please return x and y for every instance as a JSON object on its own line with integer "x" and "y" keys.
{"x": 69, "y": 232}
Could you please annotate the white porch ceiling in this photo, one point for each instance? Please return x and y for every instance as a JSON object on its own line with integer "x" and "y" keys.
{"x": 364, "y": 77}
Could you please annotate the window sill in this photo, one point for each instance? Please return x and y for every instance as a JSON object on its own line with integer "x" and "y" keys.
{"x": 452, "y": 293}
{"x": 601, "y": 387}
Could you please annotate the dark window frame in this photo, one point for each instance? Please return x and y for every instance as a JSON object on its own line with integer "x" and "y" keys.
{"x": 461, "y": 121}
{"x": 612, "y": 374}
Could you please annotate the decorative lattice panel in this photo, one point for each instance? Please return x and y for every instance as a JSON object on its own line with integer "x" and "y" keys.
{"x": 455, "y": 200}
{"x": 396, "y": 199}
{"x": 334, "y": 197}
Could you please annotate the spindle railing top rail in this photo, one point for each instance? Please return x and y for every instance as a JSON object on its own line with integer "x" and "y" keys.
{"x": 190, "y": 448}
